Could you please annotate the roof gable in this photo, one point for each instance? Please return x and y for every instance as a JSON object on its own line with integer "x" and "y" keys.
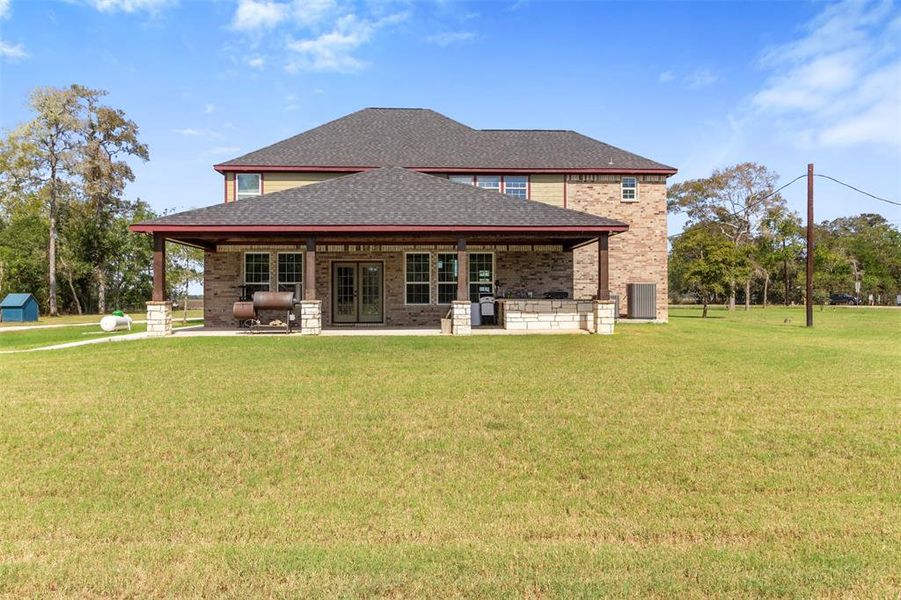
{"x": 389, "y": 196}
{"x": 422, "y": 138}
{"x": 16, "y": 300}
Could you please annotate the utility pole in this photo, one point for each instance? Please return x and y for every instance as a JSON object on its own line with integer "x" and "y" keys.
{"x": 810, "y": 245}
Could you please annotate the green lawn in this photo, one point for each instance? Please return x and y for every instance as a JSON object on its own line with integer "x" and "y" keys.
{"x": 35, "y": 338}
{"x": 734, "y": 456}
{"x": 78, "y": 319}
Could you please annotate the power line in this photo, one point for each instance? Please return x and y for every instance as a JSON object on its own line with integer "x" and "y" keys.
{"x": 848, "y": 185}
{"x": 773, "y": 193}
{"x": 752, "y": 204}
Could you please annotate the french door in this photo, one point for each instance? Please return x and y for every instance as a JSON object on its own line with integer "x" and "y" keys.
{"x": 357, "y": 292}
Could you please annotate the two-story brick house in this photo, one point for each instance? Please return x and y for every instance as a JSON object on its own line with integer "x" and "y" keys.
{"x": 390, "y": 216}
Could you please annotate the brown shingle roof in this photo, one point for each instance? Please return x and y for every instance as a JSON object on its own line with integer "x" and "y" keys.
{"x": 422, "y": 138}
{"x": 389, "y": 196}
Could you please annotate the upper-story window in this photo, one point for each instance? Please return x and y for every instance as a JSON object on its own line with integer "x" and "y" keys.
{"x": 512, "y": 185}
{"x": 630, "y": 189}
{"x": 249, "y": 184}
{"x": 489, "y": 182}
{"x": 516, "y": 186}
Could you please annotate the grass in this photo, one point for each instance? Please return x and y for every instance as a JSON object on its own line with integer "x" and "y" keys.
{"x": 35, "y": 338}
{"x": 81, "y": 319}
{"x": 732, "y": 456}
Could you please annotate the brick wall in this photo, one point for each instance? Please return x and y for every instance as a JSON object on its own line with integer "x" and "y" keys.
{"x": 221, "y": 276}
{"x": 636, "y": 256}
{"x": 517, "y": 271}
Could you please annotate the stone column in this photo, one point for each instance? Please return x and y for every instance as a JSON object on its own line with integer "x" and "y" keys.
{"x": 604, "y": 266}
{"x": 309, "y": 277}
{"x": 159, "y": 319}
{"x": 310, "y": 317}
{"x": 159, "y": 268}
{"x": 461, "y": 317}
{"x": 462, "y": 271}
{"x": 603, "y": 317}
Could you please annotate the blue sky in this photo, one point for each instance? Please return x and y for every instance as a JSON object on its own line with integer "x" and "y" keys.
{"x": 694, "y": 85}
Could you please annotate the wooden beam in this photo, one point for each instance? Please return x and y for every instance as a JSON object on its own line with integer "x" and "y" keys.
{"x": 462, "y": 271}
{"x": 604, "y": 266}
{"x": 159, "y": 268}
{"x": 309, "y": 276}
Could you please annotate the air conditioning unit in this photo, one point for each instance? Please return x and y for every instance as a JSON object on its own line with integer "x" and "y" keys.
{"x": 642, "y": 300}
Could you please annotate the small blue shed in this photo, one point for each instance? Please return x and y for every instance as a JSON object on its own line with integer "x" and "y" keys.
{"x": 19, "y": 307}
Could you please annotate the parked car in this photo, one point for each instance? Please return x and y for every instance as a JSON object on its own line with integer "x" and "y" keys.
{"x": 844, "y": 299}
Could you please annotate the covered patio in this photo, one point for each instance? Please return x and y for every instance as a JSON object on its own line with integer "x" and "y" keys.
{"x": 391, "y": 248}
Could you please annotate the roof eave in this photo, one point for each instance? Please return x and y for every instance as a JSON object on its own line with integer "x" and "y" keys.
{"x": 664, "y": 170}
{"x": 457, "y": 229}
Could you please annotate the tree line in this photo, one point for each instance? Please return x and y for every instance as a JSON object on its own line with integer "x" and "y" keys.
{"x": 64, "y": 216}
{"x": 742, "y": 242}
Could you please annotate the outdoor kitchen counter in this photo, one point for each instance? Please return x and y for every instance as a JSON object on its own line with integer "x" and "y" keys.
{"x": 540, "y": 314}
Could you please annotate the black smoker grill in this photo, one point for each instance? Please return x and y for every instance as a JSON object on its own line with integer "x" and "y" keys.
{"x": 248, "y": 313}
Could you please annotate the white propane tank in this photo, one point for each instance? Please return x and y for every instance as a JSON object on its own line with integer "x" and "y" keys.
{"x": 114, "y": 323}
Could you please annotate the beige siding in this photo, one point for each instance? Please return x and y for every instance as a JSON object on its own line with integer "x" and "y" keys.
{"x": 276, "y": 182}
{"x": 229, "y": 187}
{"x": 547, "y": 188}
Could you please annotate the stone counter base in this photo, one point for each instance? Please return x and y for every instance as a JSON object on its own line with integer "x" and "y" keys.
{"x": 548, "y": 315}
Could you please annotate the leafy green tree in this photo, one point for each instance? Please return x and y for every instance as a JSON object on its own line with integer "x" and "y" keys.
{"x": 41, "y": 157}
{"x": 778, "y": 247}
{"x": 109, "y": 137}
{"x": 23, "y": 246}
{"x": 72, "y": 157}
{"x": 736, "y": 201}
{"x": 871, "y": 247}
{"x": 707, "y": 262}
{"x": 184, "y": 267}
{"x": 129, "y": 268}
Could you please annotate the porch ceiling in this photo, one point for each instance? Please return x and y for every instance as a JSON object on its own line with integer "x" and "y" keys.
{"x": 211, "y": 240}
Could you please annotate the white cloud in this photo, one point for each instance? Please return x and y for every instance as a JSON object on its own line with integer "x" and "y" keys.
{"x": 4, "y": 9}
{"x": 188, "y": 132}
{"x": 130, "y": 6}
{"x": 312, "y": 12}
{"x": 210, "y": 108}
{"x": 12, "y": 51}
{"x": 666, "y": 77}
{"x": 253, "y": 15}
{"x": 450, "y": 37}
{"x": 699, "y": 78}
{"x": 334, "y": 50}
{"x": 313, "y": 35}
{"x": 838, "y": 84}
